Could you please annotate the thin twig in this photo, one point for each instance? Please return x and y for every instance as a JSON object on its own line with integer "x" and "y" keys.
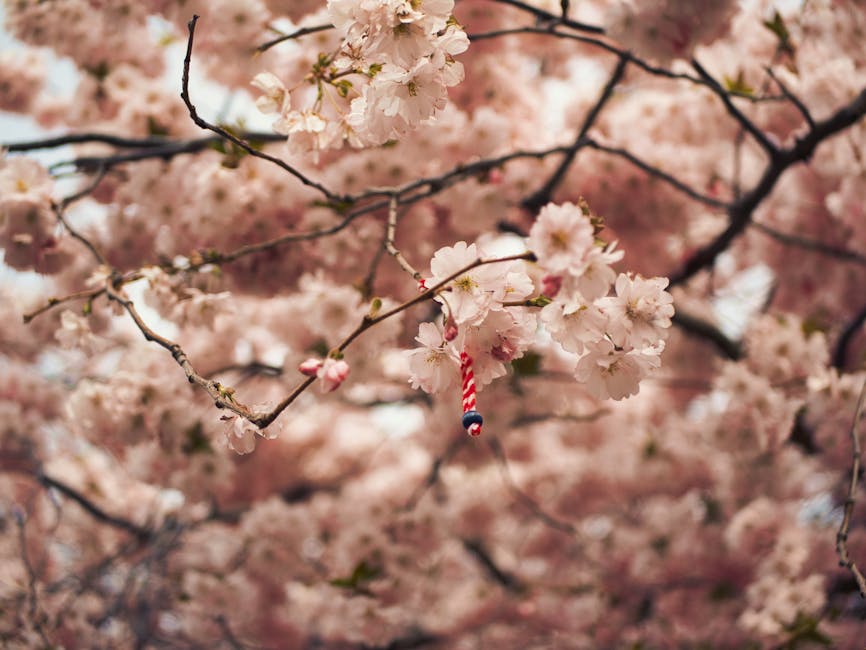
{"x": 760, "y": 137}
{"x": 836, "y": 252}
{"x": 201, "y": 123}
{"x": 303, "y": 31}
{"x": 60, "y": 208}
{"x": 91, "y": 508}
{"x": 544, "y": 194}
{"x": 391, "y": 233}
{"x": 740, "y": 211}
{"x": 658, "y": 173}
{"x": 553, "y": 19}
{"x": 508, "y": 580}
{"x": 435, "y": 469}
{"x": 549, "y": 520}
{"x": 53, "y": 302}
{"x": 706, "y": 330}
{"x": 796, "y": 101}
{"x": 844, "y": 528}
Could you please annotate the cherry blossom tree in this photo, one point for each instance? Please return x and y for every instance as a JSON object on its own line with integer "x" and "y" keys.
{"x": 458, "y": 352}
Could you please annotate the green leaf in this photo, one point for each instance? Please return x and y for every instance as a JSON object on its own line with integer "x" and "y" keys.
{"x": 738, "y": 85}
{"x": 529, "y": 365}
{"x": 778, "y": 27}
{"x": 195, "y": 442}
{"x": 361, "y": 574}
{"x": 343, "y": 87}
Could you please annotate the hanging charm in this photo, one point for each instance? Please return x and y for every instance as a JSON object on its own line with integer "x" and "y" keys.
{"x": 472, "y": 419}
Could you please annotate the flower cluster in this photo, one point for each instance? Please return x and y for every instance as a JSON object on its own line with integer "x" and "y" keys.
{"x": 390, "y": 73}
{"x": 615, "y": 340}
{"x": 26, "y": 223}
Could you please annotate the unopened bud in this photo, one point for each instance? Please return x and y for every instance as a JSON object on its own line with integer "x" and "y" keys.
{"x": 450, "y": 332}
{"x": 310, "y": 367}
{"x": 550, "y": 285}
{"x": 333, "y": 373}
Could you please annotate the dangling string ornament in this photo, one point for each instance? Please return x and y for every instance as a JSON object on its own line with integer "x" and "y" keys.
{"x": 472, "y": 419}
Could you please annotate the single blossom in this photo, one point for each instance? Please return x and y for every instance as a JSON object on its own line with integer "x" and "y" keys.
{"x": 434, "y": 366}
{"x": 562, "y": 238}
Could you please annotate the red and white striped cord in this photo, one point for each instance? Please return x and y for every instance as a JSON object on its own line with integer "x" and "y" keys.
{"x": 472, "y": 419}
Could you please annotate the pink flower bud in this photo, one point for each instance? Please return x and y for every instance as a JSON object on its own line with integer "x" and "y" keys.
{"x": 310, "y": 367}
{"x": 450, "y": 332}
{"x": 550, "y": 285}
{"x": 332, "y": 373}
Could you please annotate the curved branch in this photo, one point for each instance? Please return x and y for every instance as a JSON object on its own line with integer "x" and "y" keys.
{"x": 203, "y": 124}
{"x": 740, "y": 212}
{"x": 848, "y": 511}
{"x": 303, "y": 31}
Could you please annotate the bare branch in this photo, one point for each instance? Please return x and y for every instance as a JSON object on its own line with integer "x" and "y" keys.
{"x": 522, "y": 497}
{"x": 735, "y": 112}
{"x": 836, "y": 252}
{"x": 840, "y": 354}
{"x": 553, "y": 19}
{"x": 796, "y": 101}
{"x": 303, "y": 31}
{"x": 844, "y": 528}
{"x": 389, "y": 240}
{"x": 658, "y": 173}
{"x": 705, "y": 330}
{"x": 544, "y": 194}
{"x": 740, "y": 211}
{"x": 499, "y": 575}
{"x": 234, "y": 139}
{"x": 91, "y": 508}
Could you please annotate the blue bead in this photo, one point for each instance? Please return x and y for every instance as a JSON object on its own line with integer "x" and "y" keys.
{"x": 472, "y": 417}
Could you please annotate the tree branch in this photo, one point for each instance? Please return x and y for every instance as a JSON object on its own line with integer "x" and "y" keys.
{"x": 740, "y": 211}
{"x": 842, "y": 536}
{"x": 203, "y": 124}
{"x": 303, "y": 31}
{"x": 543, "y": 195}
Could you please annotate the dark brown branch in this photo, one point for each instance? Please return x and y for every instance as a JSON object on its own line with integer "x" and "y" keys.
{"x": 92, "y": 509}
{"x": 836, "y": 252}
{"x": 87, "y": 294}
{"x": 435, "y": 469}
{"x": 840, "y": 354}
{"x": 497, "y": 574}
{"x": 760, "y": 137}
{"x": 303, "y": 31}
{"x": 553, "y": 19}
{"x": 844, "y": 528}
{"x": 709, "y": 332}
{"x": 544, "y": 194}
{"x": 203, "y": 124}
{"x": 527, "y": 501}
{"x": 60, "y": 208}
{"x": 740, "y": 212}
{"x": 796, "y": 101}
{"x": 658, "y": 173}
{"x": 164, "y": 151}
{"x": 82, "y": 138}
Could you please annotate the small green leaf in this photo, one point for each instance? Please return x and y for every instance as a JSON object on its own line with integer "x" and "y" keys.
{"x": 363, "y": 572}
{"x": 529, "y": 365}
{"x": 738, "y": 85}
{"x": 195, "y": 442}
{"x": 343, "y": 87}
{"x": 778, "y": 27}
